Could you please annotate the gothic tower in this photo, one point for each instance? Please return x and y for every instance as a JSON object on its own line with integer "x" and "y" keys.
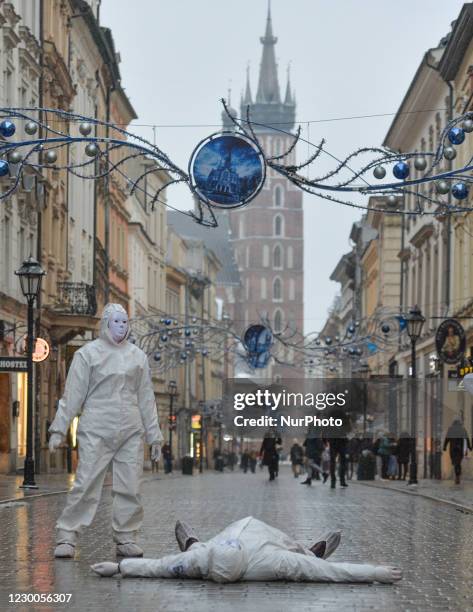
{"x": 268, "y": 234}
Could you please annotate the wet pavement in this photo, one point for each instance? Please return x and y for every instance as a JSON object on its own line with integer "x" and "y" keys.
{"x": 431, "y": 541}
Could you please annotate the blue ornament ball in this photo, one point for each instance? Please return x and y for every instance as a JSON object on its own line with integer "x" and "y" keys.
{"x": 456, "y": 135}
{"x": 401, "y": 170}
{"x": 460, "y": 191}
{"x": 4, "y": 167}
{"x": 7, "y": 128}
{"x": 385, "y": 328}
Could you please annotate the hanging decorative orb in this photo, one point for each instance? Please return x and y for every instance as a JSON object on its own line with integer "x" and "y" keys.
{"x": 449, "y": 153}
{"x": 385, "y": 328}
{"x": 442, "y": 187}
{"x": 317, "y": 342}
{"x": 456, "y": 135}
{"x": 15, "y": 157}
{"x": 31, "y": 128}
{"x": 168, "y": 321}
{"x": 337, "y": 339}
{"x": 351, "y": 329}
{"x": 176, "y": 322}
{"x": 164, "y": 338}
{"x": 85, "y": 128}
{"x": 344, "y": 349}
{"x": 188, "y": 343}
{"x": 50, "y": 157}
{"x": 420, "y": 163}
{"x": 157, "y": 356}
{"x": 351, "y": 351}
{"x": 328, "y": 340}
{"x": 392, "y": 200}
{"x": 187, "y": 332}
{"x": 460, "y": 191}
{"x": 194, "y": 319}
{"x": 379, "y": 172}
{"x": 401, "y": 170}
{"x": 91, "y": 149}
{"x": 205, "y": 352}
{"x": 326, "y": 352}
{"x": 183, "y": 356}
{"x": 7, "y": 128}
{"x": 467, "y": 125}
{"x": 4, "y": 167}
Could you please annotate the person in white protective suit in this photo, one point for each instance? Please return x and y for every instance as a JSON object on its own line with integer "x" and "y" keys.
{"x": 109, "y": 381}
{"x": 251, "y": 550}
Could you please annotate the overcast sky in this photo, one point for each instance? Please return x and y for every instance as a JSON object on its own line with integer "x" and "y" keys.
{"x": 348, "y": 58}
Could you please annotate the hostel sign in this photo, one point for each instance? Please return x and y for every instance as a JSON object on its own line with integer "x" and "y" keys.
{"x": 13, "y": 364}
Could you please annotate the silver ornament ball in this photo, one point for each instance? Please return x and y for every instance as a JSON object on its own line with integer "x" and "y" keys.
{"x": 31, "y": 128}
{"x": 467, "y": 125}
{"x": 379, "y": 172}
{"x": 392, "y": 200}
{"x": 420, "y": 163}
{"x": 15, "y": 157}
{"x": 442, "y": 187}
{"x": 51, "y": 157}
{"x": 91, "y": 149}
{"x": 449, "y": 153}
{"x": 85, "y": 128}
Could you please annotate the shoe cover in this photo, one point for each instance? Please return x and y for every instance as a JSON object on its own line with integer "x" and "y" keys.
{"x": 129, "y": 550}
{"x": 64, "y": 551}
{"x": 106, "y": 568}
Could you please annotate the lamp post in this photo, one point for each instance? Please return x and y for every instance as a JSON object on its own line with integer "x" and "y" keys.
{"x": 172, "y": 390}
{"x": 365, "y": 372}
{"x": 415, "y": 323}
{"x": 31, "y": 274}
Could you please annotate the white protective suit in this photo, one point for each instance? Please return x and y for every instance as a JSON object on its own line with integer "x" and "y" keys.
{"x": 111, "y": 384}
{"x": 251, "y": 550}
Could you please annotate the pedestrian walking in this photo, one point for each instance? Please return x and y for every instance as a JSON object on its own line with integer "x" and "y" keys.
{"x": 385, "y": 451}
{"x": 244, "y": 461}
{"x": 167, "y": 458}
{"x": 353, "y": 452}
{"x": 269, "y": 452}
{"x": 459, "y": 443}
{"x": 403, "y": 451}
{"x": 252, "y": 461}
{"x": 297, "y": 458}
{"x": 314, "y": 446}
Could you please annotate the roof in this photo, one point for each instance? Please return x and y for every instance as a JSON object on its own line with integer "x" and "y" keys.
{"x": 216, "y": 239}
{"x": 457, "y": 43}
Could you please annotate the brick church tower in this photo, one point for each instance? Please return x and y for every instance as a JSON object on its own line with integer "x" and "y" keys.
{"x": 268, "y": 235}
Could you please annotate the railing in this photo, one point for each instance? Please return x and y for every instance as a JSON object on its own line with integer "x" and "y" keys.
{"x": 76, "y": 298}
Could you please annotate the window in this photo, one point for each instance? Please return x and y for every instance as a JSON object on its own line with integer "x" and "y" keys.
{"x": 278, "y": 322}
{"x": 278, "y": 195}
{"x": 277, "y": 257}
{"x": 263, "y": 289}
{"x": 278, "y": 225}
{"x": 290, "y": 257}
{"x": 292, "y": 289}
{"x": 265, "y": 255}
{"x": 277, "y": 289}
{"x": 241, "y": 231}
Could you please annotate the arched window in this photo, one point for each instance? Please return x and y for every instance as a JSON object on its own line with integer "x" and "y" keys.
{"x": 263, "y": 288}
{"x": 241, "y": 229}
{"x": 277, "y": 289}
{"x": 292, "y": 289}
{"x": 290, "y": 257}
{"x": 278, "y": 225}
{"x": 277, "y": 257}
{"x": 265, "y": 255}
{"x": 278, "y": 194}
{"x": 278, "y": 322}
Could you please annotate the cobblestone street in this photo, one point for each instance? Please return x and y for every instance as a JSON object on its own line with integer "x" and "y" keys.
{"x": 431, "y": 541}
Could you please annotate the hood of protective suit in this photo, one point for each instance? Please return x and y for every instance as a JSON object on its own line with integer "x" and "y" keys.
{"x": 227, "y": 561}
{"x": 457, "y": 430}
{"x": 104, "y": 330}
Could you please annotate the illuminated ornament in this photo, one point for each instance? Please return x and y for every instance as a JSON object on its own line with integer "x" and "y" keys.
{"x": 227, "y": 170}
{"x": 420, "y": 163}
{"x": 41, "y": 350}
{"x": 401, "y": 170}
{"x": 385, "y": 328}
{"x": 7, "y": 128}
{"x": 449, "y": 153}
{"x": 15, "y": 157}
{"x": 379, "y": 172}
{"x": 467, "y": 125}
{"x": 31, "y": 128}
{"x": 4, "y": 167}
{"x": 460, "y": 191}
{"x": 51, "y": 157}
{"x": 91, "y": 149}
{"x": 442, "y": 187}
{"x": 456, "y": 135}
{"x": 85, "y": 128}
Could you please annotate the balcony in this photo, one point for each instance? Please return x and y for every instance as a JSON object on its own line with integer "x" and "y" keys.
{"x": 76, "y": 298}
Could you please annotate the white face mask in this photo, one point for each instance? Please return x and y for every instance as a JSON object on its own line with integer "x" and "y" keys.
{"x": 118, "y": 325}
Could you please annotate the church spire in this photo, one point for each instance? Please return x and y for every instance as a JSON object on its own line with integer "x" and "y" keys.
{"x": 288, "y": 97}
{"x": 268, "y": 85}
{"x": 247, "y": 99}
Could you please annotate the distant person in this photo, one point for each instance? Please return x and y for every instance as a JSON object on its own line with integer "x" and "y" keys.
{"x": 297, "y": 458}
{"x": 404, "y": 445}
{"x": 244, "y": 461}
{"x": 313, "y": 446}
{"x": 253, "y": 461}
{"x": 459, "y": 443}
{"x": 167, "y": 458}
{"x": 269, "y": 452}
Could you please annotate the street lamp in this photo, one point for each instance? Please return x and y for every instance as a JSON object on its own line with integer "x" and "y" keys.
{"x": 415, "y": 323}
{"x": 172, "y": 391}
{"x": 365, "y": 372}
{"x": 31, "y": 274}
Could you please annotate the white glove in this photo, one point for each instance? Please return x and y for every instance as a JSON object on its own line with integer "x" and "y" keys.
{"x": 155, "y": 451}
{"x": 55, "y": 441}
